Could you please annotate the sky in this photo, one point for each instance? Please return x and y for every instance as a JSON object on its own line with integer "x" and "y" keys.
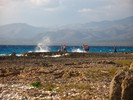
{"x": 47, "y": 13}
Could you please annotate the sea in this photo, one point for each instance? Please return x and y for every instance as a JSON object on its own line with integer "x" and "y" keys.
{"x": 19, "y": 49}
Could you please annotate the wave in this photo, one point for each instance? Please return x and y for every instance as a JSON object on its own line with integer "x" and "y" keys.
{"x": 43, "y": 45}
{"x": 77, "y": 50}
{"x": 3, "y": 54}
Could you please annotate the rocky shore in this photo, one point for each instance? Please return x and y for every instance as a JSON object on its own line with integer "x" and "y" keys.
{"x": 60, "y": 76}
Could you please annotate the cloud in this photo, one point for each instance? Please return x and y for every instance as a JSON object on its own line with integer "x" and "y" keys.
{"x": 57, "y": 12}
{"x": 108, "y": 7}
{"x": 1, "y": 6}
{"x": 85, "y": 10}
{"x": 40, "y": 2}
{"x": 51, "y": 9}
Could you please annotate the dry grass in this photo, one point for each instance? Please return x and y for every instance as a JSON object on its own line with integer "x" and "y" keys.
{"x": 124, "y": 62}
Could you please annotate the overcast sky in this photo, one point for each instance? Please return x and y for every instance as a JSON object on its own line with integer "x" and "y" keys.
{"x": 58, "y": 12}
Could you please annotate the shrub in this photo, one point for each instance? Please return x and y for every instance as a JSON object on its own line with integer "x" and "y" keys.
{"x": 36, "y": 84}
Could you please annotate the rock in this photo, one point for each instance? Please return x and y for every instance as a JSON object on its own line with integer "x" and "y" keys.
{"x": 121, "y": 87}
{"x": 131, "y": 66}
{"x": 58, "y": 73}
{"x": 13, "y": 54}
{"x": 4, "y": 72}
{"x": 105, "y": 62}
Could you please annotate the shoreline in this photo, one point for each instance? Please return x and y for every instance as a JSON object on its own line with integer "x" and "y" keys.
{"x": 61, "y": 53}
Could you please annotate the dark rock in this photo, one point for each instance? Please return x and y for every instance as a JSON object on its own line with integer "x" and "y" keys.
{"x": 70, "y": 64}
{"x": 58, "y": 73}
{"x": 105, "y": 62}
{"x": 121, "y": 87}
{"x": 4, "y": 72}
{"x": 13, "y": 54}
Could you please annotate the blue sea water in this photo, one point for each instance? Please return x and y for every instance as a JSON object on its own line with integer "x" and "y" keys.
{"x": 19, "y": 49}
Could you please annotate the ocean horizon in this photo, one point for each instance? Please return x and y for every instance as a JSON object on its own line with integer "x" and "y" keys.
{"x": 19, "y": 49}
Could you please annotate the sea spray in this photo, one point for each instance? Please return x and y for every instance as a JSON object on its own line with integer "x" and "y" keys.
{"x": 77, "y": 50}
{"x": 43, "y": 45}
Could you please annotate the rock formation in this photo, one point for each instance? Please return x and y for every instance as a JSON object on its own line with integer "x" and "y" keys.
{"x": 131, "y": 66}
{"x": 121, "y": 87}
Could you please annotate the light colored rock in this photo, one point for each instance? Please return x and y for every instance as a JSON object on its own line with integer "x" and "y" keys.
{"x": 121, "y": 87}
{"x": 131, "y": 66}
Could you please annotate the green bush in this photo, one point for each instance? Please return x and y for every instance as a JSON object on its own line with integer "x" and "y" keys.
{"x": 36, "y": 84}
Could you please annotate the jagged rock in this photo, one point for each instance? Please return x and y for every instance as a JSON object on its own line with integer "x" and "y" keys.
{"x": 121, "y": 87}
{"x": 105, "y": 62}
{"x": 13, "y": 54}
{"x": 131, "y": 66}
{"x": 58, "y": 73}
{"x": 8, "y": 72}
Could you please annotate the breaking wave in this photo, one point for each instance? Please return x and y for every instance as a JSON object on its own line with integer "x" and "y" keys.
{"x": 77, "y": 50}
{"x": 43, "y": 46}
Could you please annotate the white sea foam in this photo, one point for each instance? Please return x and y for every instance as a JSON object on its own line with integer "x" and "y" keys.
{"x": 2, "y": 54}
{"x": 30, "y": 51}
{"x": 77, "y": 50}
{"x": 42, "y": 46}
{"x": 56, "y": 55}
{"x": 19, "y": 55}
{"x": 53, "y": 56}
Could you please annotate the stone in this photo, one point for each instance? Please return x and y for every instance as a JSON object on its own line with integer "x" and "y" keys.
{"x": 121, "y": 87}
{"x": 4, "y": 72}
{"x": 13, "y": 54}
{"x": 131, "y": 66}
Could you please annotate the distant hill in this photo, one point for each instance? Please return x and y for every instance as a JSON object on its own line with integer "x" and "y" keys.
{"x": 118, "y": 32}
{"x": 18, "y": 33}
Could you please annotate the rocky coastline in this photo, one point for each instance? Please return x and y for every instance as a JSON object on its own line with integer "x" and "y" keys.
{"x": 61, "y": 76}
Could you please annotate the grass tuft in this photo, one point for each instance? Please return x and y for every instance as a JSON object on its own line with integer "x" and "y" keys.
{"x": 49, "y": 86}
{"x": 123, "y": 62}
{"x": 36, "y": 84}
{"x": 72, "y": 74}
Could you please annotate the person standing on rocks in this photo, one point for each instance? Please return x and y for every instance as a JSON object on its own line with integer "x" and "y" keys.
{"x": 115, "y": 50}
{"x": 64, "y": 48}
{"x": 60, "y": 50}
{"x": 86, "y": 48}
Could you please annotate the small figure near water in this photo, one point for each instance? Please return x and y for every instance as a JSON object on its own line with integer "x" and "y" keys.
{"x": 63, "y": 49}
{"x": 60, "y": 50}
{"x": 115, "y": 50}
{"x": 86, "y": 48}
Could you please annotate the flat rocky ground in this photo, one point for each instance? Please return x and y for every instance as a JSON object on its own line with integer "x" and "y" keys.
{"x": 74, "y": 76}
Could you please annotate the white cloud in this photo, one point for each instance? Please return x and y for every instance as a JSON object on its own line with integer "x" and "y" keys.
{"x": 51, "y": 9}
{"x": 1, "y": 7}
{"x": 85, "y": 10}
{"x": 108, "y": 7}
{"x": 40, "y": 2}
{"x": 63, "y": 11}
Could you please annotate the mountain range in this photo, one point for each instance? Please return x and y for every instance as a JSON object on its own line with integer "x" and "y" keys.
{"x": 117, "y": 32}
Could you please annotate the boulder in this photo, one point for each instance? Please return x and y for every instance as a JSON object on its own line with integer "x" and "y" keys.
{"x": 121, "y": 87}
{"x": 4, "y": 72}
{"x": 131, "y": 66}
{"x": 13, "y": 54}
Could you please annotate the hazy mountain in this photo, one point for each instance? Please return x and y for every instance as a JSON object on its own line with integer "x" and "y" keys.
{"x": 19, "y": 30}
{"x": 118, "y": 32}
{"x": 18, "y": 33}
